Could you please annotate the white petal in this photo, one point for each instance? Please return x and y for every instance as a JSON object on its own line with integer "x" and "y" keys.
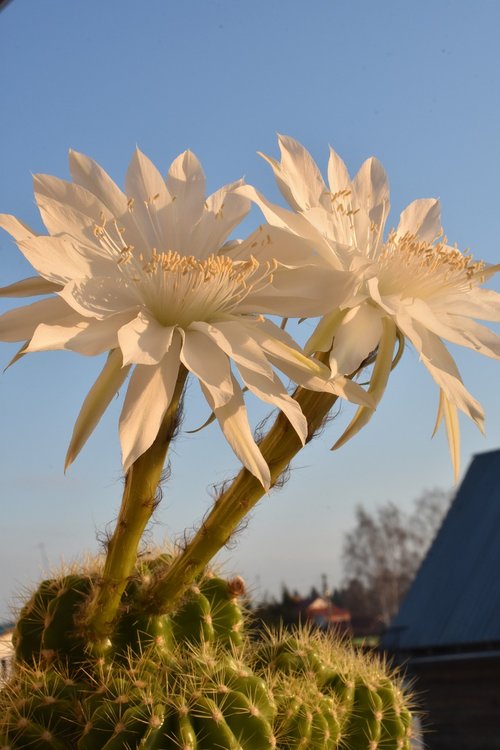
{"x": 222, "y": 212}
{"x": 148, "y": 395}
{"x": 443, "y": 369}
{"x": 297, "y": 175}
{"x": 201, "y": 356}
{"x": 479, "y": 303}
{"x": 356, "y": 338}
{"x": 233, "y": 420}
{"x": 268, "y": 243}
{"x": 144, "y": 341}
{"x": 307, "y": 292}
{"x": 145, "y": 185}
{"x": 96, "y": 402}
{"x": 455, "y": 328}
{"x": 60, "y": 259}
{"x": 294, "y": 222}
{"x": 236, "y": 341}
{"x": 282, "y": 350}
{"x": 378, "y": 382}
{"x": 98, "y": 297}
{"x": 422, "y": 218}
{"x": 370, "y": 206}
{"x": 186, "y": 185}
{"x": 452, "y": 425}
{"x": 32, "y": 287}
{"x": 88, "y": 337}
{"x": 16, "y": 228}
{"x": 90, "y": 175}
{"x": 273, "y": 392}
{"x": 371, "y": 190}
{"x": 19, "y": 324}
{"x": 338, "y": 176}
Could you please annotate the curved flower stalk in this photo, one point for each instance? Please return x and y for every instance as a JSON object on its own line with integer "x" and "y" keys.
{"x": 410, "y": 282}
{"x": 146, "y": 275}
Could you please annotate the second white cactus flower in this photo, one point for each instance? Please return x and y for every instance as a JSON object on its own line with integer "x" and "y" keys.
{"x": 409, "y": 283}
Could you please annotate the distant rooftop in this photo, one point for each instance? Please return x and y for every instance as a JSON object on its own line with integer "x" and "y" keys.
{"x": 454, "y": 600}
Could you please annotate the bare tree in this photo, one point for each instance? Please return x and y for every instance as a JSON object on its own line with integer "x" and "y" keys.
{"x": 385, "y": 548}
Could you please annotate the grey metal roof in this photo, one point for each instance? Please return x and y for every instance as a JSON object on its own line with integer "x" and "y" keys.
{"x": 455, "y": 597}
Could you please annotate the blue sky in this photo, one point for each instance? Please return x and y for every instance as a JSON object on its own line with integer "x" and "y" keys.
{"x": 415, "y": 83}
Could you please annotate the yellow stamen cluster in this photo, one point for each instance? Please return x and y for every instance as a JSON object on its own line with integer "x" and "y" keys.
{"x": 415, "y": 267}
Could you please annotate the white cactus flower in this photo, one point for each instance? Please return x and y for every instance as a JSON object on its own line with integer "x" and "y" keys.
{"x": 410, "y": 282}
{"x": 146, "y": 275}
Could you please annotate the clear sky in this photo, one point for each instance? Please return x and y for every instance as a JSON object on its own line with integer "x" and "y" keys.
{"x": 414, "y": 82}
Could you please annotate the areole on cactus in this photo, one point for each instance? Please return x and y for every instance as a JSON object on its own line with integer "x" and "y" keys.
{"x": 157, "y": 652}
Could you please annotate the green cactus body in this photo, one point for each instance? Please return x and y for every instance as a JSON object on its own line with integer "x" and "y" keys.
{"x": 364, "y": 725}
{"x": 46, "y": 629}
{"x": 226, "y": 614}
{"x": 396, "y": 719}
{"x": 29, "y": 629}
{"x": 137, "y": 633}
{"x": 341, "y": 686}
{"x": 192, "y": 622}
{"x": 295, "y": 726}
{"x": 182, "y": 681}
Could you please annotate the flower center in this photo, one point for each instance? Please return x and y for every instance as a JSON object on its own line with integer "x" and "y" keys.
{"x": 412, "y": 267}
{"x": 179, "y": 289}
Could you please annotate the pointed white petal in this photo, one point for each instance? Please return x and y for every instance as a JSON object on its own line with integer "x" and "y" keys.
{"x": 378, "y": 382}
{"x": 96, "y": 402}
{"x": 143, "y": 341}
{"x": 201, "y": 356}
{"x": 145, "y": 185}
{"x": 269, "y": 243}
{"x": 371, "y": 189}
{"x": 98, "y": 296}
{"x": 233, "y": 420}
{"x": 338, "y": 176}
{"x": 186, "y": 185}
{"x": 235, "y": 340}
{"x": 297, "y": 175}
{"x": 149, "y": 393}
{"x": 422, "y": 218}
{"x": 60, "y": 259}
{"x": 443, "y": 369}
{"x": 273, "y": 392}
{"x": 222, "y": 212}
{"x": 294, "y": 222}
{"x": 356, "y": 338}
{"x": 16, "y": 228}
{"x": 32, "y": 287}
{"x": 87, "y": 173}
{"x": 282, "y": 350}
{"x": 307, "y": 292}
{"x": 322, "y": 338}
{"x": 452, "y": 425}
{"x": 19, "y": 324}
{"x": 482, "y": 303}
{"x": 88, "y": 337}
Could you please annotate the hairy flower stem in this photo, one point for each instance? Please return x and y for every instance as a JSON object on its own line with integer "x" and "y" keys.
{"x": 278, "y": 447}
{"x": 138, "y": 504}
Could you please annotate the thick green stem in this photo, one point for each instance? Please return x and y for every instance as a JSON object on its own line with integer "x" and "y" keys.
{"x": 278, "y": 447}
{"x": 138, "y": 504}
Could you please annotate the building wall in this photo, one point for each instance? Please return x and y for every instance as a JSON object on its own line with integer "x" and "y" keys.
{"x": 460, "y": 698}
